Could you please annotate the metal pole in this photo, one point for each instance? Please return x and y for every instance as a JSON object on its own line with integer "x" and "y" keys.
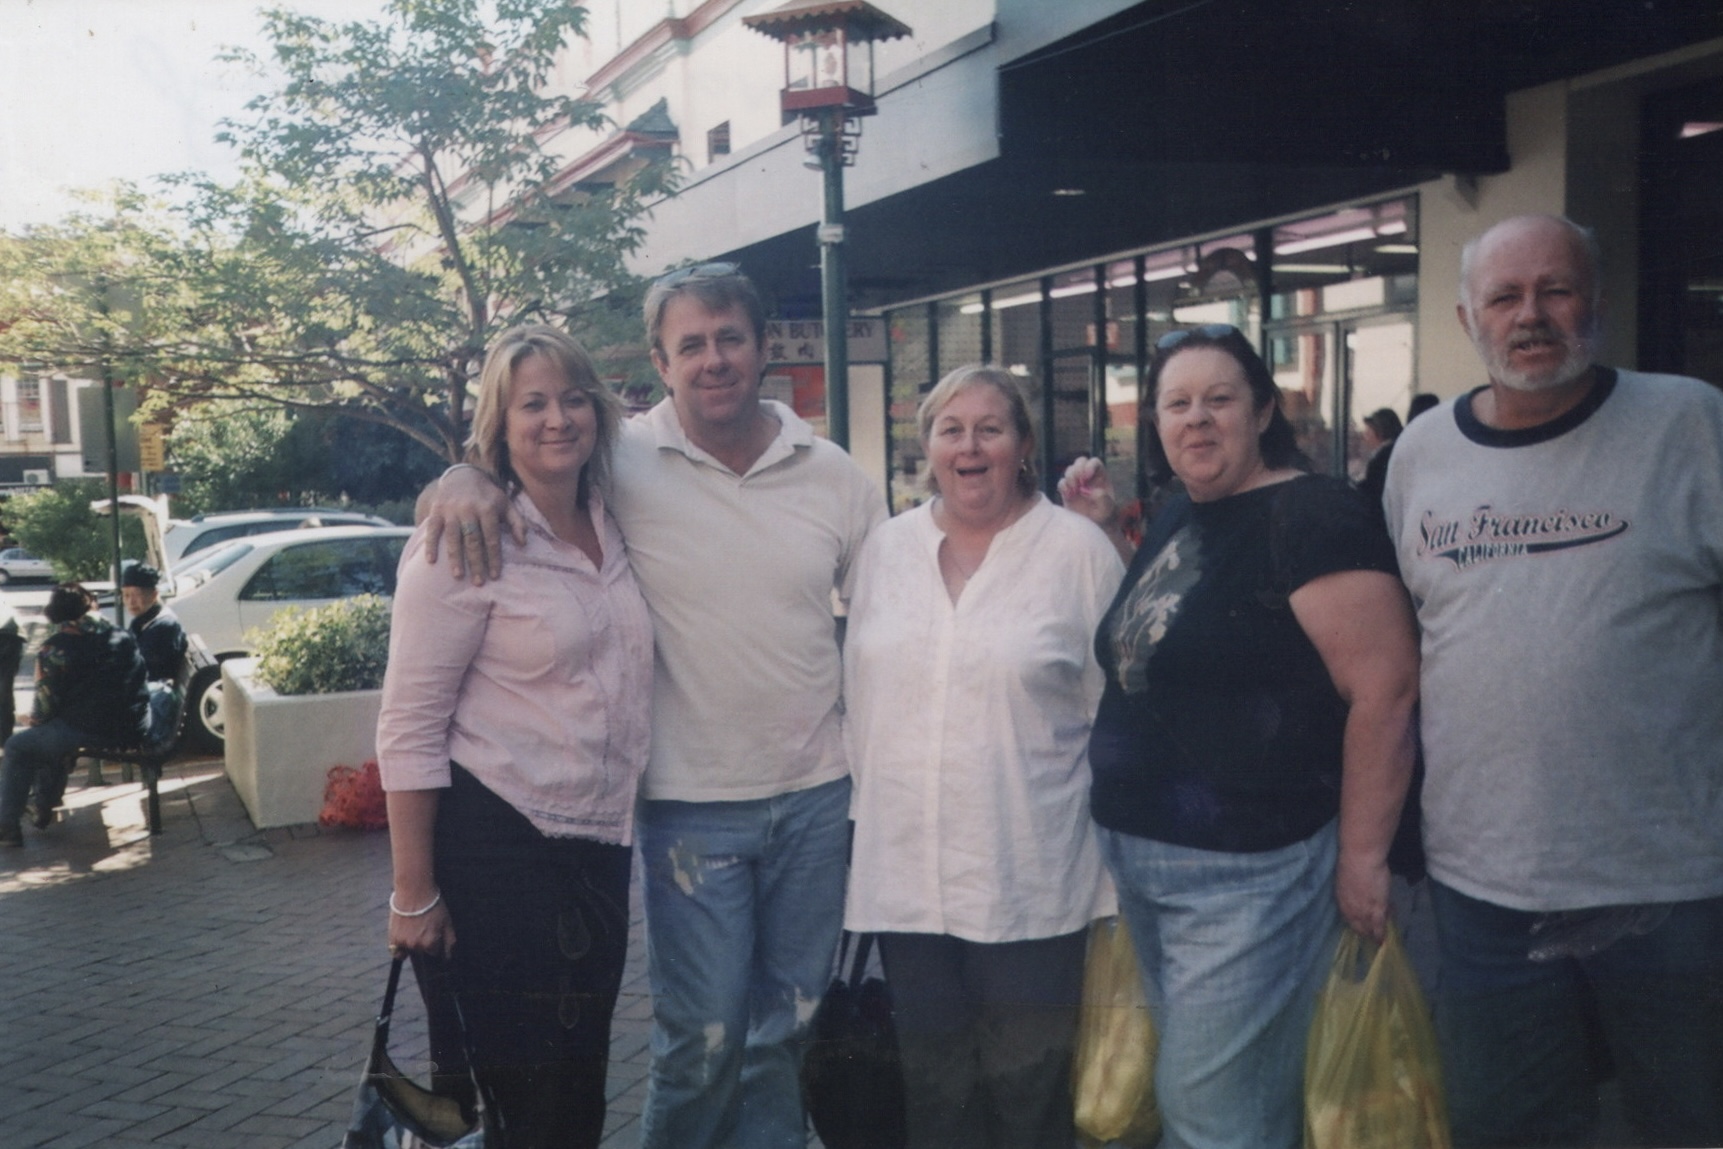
{"x": 113, "y": 456}
{"x": 832, "y": 281}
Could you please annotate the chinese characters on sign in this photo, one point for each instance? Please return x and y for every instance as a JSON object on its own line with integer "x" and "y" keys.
{"x": 804, "y": 341}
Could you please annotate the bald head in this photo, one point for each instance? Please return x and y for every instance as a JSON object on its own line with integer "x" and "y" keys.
{"x": 1529, "y": 299}
{"x": 1580, "y": 242}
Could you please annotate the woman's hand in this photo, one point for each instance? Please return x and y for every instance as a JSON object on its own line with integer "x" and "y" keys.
{"x": 467, "y": 500}
{"x": 1361, "y": 889}
{"x": 432, "y": 934}
{"x": 1087, "y": 489}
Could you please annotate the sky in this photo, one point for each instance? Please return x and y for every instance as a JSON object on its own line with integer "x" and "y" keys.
{"x": 94, "y": 90}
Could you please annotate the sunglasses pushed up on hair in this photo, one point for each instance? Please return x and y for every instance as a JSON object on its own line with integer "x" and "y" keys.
{"x": 1208, "y": 331}
{"x": 697, "y": 271}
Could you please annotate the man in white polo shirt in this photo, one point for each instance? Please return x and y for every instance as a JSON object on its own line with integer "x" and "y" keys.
{"x": 740, "y": 524}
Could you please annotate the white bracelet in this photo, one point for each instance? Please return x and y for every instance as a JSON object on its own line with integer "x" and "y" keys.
{"x": 453, "y": 467}
{"x": 400, "y": 913}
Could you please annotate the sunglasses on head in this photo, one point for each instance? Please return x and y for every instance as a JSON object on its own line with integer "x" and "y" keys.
{"x": 1208, "y": 331}
{"x": 698, "y": 271}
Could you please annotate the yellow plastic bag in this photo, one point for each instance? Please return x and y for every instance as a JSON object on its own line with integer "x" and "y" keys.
{"x": 1113, "y": 1071}
{"x": 1372, "y": 1075}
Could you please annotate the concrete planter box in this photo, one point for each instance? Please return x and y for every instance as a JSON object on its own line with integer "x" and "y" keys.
{"x": 280, "y": 748}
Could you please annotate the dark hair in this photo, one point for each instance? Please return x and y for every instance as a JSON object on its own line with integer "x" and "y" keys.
{"x": 1278, "y": 443}
{"x": 1385, "y": 423}
{"x": 142, "y": 576}
{"x": 1421, "y": 402}
{"x": 718, "y": 287}
{"x": 68, "y": 601}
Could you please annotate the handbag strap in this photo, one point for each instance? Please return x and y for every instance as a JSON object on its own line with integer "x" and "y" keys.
{"x": 388, "y": 1010}
{"x": 864, "y": 943}
{"x": 380, "y": 1041}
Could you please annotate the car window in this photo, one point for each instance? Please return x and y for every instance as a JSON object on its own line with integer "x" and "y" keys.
{"x": 199, "y": 568}
{"x": 333, "y": 568}
{"x": 214, "y": 535}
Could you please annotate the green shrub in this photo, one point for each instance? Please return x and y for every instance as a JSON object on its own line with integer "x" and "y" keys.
{"x": 340, "y": 647}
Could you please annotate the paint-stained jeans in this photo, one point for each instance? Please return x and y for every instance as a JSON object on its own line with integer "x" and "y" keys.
{"x": 744, "y": 903}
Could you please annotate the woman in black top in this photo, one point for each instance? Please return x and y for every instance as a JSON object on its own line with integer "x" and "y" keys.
{"x": 1254, "y": 741}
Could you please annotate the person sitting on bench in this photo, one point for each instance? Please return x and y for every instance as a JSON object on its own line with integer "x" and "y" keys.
{"x": 161, "y": 641}
{"x": 90, "y": 691}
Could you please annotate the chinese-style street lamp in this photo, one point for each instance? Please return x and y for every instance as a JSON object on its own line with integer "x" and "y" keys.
{"x": 828, "y": 84}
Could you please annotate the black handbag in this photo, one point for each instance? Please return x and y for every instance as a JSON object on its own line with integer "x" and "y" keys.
{"x": 392, "y": 1111}
{"x": 852, "y": 1081}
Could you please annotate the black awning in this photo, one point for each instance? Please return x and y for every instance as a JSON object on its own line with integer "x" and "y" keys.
{"x": 1403, "y": 83}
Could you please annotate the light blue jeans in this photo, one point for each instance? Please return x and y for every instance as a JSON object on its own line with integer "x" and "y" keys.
{"x": 744, "y": 904}
{"x": 1234, "y": 948}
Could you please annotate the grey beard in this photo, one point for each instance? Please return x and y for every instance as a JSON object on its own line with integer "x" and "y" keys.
{"x": 1581, "y": 354}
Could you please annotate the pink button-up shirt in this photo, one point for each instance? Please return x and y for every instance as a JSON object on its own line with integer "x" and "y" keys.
{"x": 538, "y": 683}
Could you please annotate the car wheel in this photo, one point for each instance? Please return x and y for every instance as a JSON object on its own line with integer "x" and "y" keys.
{"x": 5, "y": 577}
{"x": 206, "y": 720}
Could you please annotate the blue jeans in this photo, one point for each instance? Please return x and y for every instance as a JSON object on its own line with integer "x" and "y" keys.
{"x": 1519, "y": 1037}
{"x": 1234, "y": 948}
{"x": 36, "y": 756}
{"x": 744, "y": 904}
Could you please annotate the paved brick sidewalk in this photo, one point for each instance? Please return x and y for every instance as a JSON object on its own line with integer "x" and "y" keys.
{"x": 212, "y": 986}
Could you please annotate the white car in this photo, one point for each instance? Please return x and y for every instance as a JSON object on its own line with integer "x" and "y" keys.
{"x": 223, "y": 594}
{"x": 189, "y": 536}
{"x": 16, "y": 562}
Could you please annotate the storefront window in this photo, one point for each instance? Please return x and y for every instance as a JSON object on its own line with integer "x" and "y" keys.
{"x": 960, "y": 332}
{"x": 911, "y": 378}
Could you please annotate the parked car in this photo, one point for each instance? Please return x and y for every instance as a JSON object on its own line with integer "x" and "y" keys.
{"x": 189, "y": 536}
{"x": 222, "y": 594}
{"x": 16, "y": 563}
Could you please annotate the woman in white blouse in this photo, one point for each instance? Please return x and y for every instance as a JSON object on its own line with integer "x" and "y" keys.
{"x": 970, "y": 683}
{"x": 511, "y": 742}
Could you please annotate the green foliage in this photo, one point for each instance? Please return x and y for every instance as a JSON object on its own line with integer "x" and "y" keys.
{"x": 57, "y": 524}
{"x": 330, "y": 650}
{"x": 398, "y": 208}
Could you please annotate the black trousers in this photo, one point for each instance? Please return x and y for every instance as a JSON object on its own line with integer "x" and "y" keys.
{"x": 541, "y": 933}
{"x": 986, "y": 1033}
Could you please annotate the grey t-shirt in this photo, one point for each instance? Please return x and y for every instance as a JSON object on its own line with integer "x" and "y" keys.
{"x": 1568, "y": 579}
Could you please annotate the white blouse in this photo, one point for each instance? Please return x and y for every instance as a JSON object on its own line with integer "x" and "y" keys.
{"x": 968, "y": 730}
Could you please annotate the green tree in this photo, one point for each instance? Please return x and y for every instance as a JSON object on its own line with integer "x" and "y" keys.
{"x": 397, "y": 210}
{"x": 57, "y": 524}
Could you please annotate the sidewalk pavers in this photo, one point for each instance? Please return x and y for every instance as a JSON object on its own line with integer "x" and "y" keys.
{"x": 213, "y": 985}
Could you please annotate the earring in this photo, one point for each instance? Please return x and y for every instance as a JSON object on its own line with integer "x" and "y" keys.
{"x": 1023, "y": 467}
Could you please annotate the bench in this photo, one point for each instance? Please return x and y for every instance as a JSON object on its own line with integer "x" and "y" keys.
{"x": 149, "y": 760}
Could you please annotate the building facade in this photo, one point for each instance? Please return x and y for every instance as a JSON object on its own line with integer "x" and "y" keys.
{"x": 1052, "y": 186}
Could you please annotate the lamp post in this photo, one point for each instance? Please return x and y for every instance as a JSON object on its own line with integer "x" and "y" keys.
{"x": 828, "y": 85}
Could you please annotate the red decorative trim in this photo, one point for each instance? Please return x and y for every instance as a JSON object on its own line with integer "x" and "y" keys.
{"x": 660, "y": 34}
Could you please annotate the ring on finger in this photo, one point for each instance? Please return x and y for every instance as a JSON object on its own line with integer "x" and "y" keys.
{"x": 468, "y": 529}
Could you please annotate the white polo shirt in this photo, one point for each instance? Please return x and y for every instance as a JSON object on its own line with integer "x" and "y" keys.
{"x": 739, "y": 572}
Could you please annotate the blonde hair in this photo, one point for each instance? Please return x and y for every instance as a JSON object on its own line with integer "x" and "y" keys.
{"x": 487, "y": 445}
{"x": 1002, "y": 381}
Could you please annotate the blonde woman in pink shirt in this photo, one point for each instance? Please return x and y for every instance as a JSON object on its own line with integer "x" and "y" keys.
{"x": 511, "y": 742}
